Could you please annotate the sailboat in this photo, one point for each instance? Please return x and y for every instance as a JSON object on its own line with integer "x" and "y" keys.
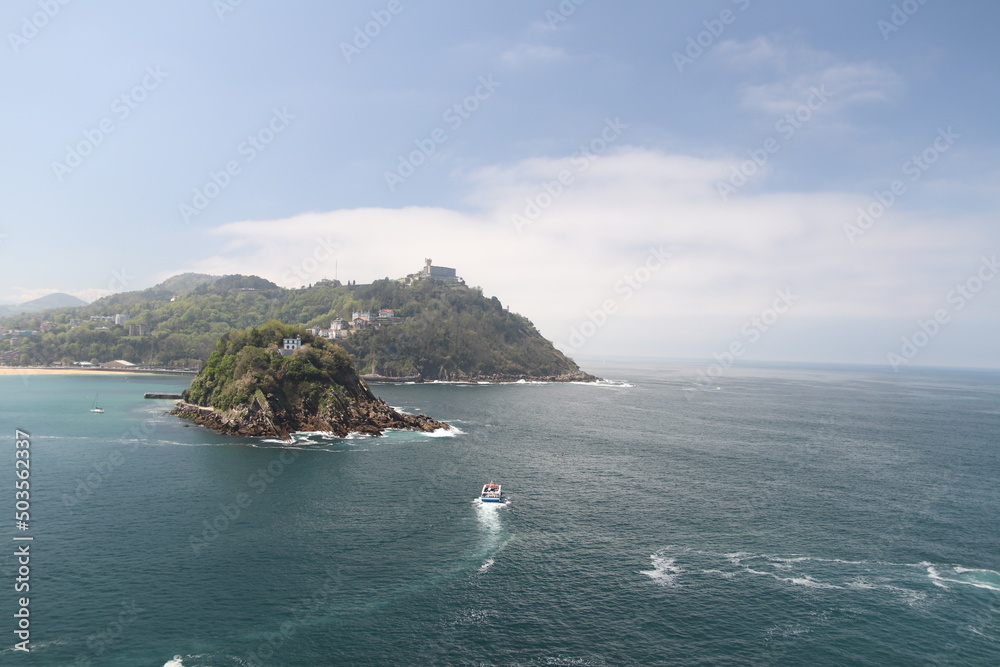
{"x": 94, "y": 407}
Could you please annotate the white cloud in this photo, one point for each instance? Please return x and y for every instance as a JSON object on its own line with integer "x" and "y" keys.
{"x": 728, "y": 259}
{"x": 534, "y": 54}
{"x": 753, "y": 53}
{"x": 785, "y": 76}
{"x": 845, "y": 85}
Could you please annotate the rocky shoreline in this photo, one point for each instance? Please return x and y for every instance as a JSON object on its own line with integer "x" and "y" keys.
{"x": 369, "y": 417}
{"x": 497, "y": 378}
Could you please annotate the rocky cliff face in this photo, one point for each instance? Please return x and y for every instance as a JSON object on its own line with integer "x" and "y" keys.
{"x": 367, "y": 416}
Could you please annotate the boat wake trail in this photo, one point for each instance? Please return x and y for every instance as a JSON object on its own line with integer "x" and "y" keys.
{"x": 494, "y": 535}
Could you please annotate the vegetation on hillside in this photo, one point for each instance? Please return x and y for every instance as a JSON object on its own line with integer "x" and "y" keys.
{"x": 447, "y": 331}
{"x": 246, "y": 366}
{"x": 454, "y": 333}
{"x": 251, "y": 386}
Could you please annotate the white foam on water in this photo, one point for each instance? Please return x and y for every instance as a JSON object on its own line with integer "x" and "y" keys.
{"x": 794, "y": 569}
{"x": 908, "y": 596}
{"x": 614, "y": 384}
{"x": 750, "y": 570}
{"x": 788, "y": 630}
{"x": 816, "y": 559}
{"x": 563, "y": 660}
{"x": 736, "y": 558}
{"x": 862, "y": 577}
{"x": 861, "y": 584}
{"x": 444, "y": 432}
{"x": 485, "y": 567}
{"x": 475, "y": 617}
{"x": 665, "y": 570}
{"x": 724, "y": 575}
{"x": 489, "y": 514}
{"x": 176, "y": 661}
{"x": 977, "y": 631}
{"x": 963, "y": 576}
{"x": 808, "y": 582}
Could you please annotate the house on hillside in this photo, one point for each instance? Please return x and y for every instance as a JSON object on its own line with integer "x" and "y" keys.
{"x": 289, "y": 345}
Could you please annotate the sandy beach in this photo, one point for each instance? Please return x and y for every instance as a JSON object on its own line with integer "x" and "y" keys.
{"x": 9, "y": 370}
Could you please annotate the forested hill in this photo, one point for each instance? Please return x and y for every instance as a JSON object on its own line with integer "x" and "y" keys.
{"x": 252, "y": 386}
{"x": 438, "y": 330}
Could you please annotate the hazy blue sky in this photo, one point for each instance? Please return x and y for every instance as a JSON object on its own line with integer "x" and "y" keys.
{"x": 715, "y": 160}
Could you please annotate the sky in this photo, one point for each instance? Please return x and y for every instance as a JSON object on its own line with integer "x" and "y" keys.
{"x": 732, "y": 180}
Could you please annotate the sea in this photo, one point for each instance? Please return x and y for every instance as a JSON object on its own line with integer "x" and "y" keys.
{"x": 776, "y": 515}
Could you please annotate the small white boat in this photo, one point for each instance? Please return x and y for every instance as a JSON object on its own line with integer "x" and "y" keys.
{"x": 94, "y": 408}
{"x": 492, "y": 494}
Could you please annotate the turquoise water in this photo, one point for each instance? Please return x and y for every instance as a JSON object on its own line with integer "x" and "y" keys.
{"x": 792, "y": 516}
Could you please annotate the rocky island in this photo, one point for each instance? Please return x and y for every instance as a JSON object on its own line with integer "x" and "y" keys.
{"x": 276, "y": 379}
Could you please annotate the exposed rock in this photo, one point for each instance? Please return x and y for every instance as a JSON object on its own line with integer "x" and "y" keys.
{"x": 370, "y": 417}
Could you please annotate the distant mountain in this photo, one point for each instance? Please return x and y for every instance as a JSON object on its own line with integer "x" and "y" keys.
{"x": 177, "y": 286}
{"x": 47, "y": 302}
